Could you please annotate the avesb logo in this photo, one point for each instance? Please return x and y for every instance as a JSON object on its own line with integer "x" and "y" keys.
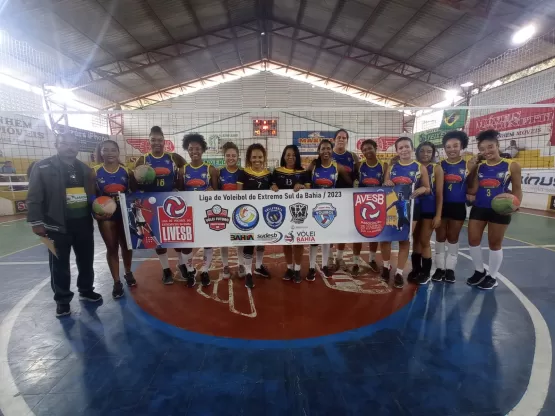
{"x": 369, "y": 213}
{"x": 274, "y": 215}
{"x": 245, "y": 217}
{"x": 324, "y": 214}
{"x": 175, "y": 207}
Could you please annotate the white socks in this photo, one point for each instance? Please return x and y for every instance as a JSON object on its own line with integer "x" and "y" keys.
{"x": 356, "y": 260}
{"x": 399, "y": 271}
{"x": 208, "y": 253}
{"x": 452, "y": 255}
{"x": 372, "y": 256}
{"x": 187, "y": 260}
{"x": 312, "y": 253}
{"x": 224, "y": 252}
{"x": 339, "y": 254}
{"x": 164, "y": 261}
{"x": 495, "y": 260}
{"x": 240, "y": 257}
{"x": 259, "y": 258}
{"x": 297, "y": 267}
{"x": 325, "y": 254}
{"x": 290, "y": 266}
{"x": 440, "y": 255}
{"x": 476, "y": 254}
{"x": 386, "y": 265}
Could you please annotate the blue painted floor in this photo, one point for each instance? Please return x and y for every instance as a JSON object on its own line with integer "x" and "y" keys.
{"x": 452, "y": 351}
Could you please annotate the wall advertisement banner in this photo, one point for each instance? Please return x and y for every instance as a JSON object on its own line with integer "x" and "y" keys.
{"x": 308, "y": 141}
{"x": 18, "y": 130}
{"x": 234, "y": 218}
{"x": 88, "y": 140}
{"x": 215, "y": 140}
{"x": 538, "y": 181}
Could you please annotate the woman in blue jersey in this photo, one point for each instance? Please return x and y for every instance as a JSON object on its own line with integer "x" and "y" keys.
{"x": 493, "y": 177}
{"x": 325, "y": 173}
{"x": 169, "y": 177}
{"x": 112, "y": 177}
{"x": 227, "y": 181}
{"x": 197, "y": 176}
{"x": 456, "y": 172}
{"x": 254, "y": 177}
{"x": 406, "y": 171}
{"x": 429, "y": 218}
{"x": 350, "y": 163}
{"x": 371, "y": 173}
{"x": 291, "y": 175}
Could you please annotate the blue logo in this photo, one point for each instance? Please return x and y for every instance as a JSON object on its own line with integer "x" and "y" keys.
{"x": 324, "y": 214}
{"x": 245, "y": 217}
{"x": 274, "y": 215}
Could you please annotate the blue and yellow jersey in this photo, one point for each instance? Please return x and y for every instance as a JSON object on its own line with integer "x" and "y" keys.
{"x": 347, "y": 159}
{"x": 166, "y": 173}
{"x": 455, "y": 177}
{"x": 110, "y": 183}
{"x": 401, "y": 174}
{"x": 325, "y": 176}
{"x": 227, "y": 180}
{"x": 493, "y": 180}
{"x": 370, "y": 175}
{"x": 197, "y": 179}
{"x": 428, "y": 202}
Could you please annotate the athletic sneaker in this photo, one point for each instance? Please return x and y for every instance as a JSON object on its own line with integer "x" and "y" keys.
{"x": 326, "y": 271}
{"x": 398, "y": 281}
{"x": 340, "y": 265}
{"x": 412, "y": 277}
{"x": 249, "y": 281}
{"x": 439, "y": 275}
{"x": 449, "y": 276}
{"x": 91, "y": 296}
{"x": 181, "y": 273}
{"x": 311, "y": 276}
{"x": 242, "y": 271}
{"x": 226, "y": 272}
{"x": 205, "y": 279}
{"x": 63, "y": 309}
{"x": 130, "y": 279}
{"x": 374, "y": 266}
{"x": 192, "y": 278}
{"x": 385, "y": 274}
{"x": 117, "y": 291}
{"x": 167, "y": 277}
{"x": 331, "y": 263}
{"x": 262, "y": 271}
{"x": 355, "y": 270}
{"x": 423, "y": 279}
{"x": 289, "y": 274}
{"x": 297, "y": 276}
{"x": 488, "y": 283}
{"x": 476, "y": 278}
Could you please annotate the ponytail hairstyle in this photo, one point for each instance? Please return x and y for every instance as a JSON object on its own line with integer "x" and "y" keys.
{"x": 98, "y": 152}
{"x": 229, "y": 145}
{"x": 318, "y": 160}
{"x": 156, "y": 130}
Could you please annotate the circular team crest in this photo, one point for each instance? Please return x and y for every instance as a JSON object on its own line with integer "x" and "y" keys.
{"x": 245, "y": 217}
{"x": 175, "y": 207}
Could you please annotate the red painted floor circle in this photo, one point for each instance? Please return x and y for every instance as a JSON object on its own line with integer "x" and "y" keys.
{"x": 274, "y": 309}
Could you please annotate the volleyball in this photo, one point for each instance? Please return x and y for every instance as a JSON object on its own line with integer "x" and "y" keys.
{"x": 144, "y": 174}
{"x": 151, "y": 200}
{"x": 505, "y": 204}
{"x": 175, "y": 207}
{"x": 104, "y": 205}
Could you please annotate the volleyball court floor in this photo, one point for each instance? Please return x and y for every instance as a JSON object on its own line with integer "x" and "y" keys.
{"x": 337, "y": 347}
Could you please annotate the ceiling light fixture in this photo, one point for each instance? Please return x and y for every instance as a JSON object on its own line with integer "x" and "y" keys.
{"x": 467, "y": 84}
{"x": 524, "y": 34}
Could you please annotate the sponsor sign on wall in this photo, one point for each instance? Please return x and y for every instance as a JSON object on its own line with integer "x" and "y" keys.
{"x": 232, "y": 218}
{"x": 215, "y": 140}
{"x": 308, "y": 141}
{"x": 88, "y": 140}
{"x": 22, "y": 131}
{"x": 143, "y": 145}
{"x": 538, "y": 181}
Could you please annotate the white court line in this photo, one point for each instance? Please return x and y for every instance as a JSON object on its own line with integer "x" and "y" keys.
{"x": 8, "y": 222}
{"x": 536, "y": 215}
{"x": 535, "y": 395}
{"x": 19, "y": 251}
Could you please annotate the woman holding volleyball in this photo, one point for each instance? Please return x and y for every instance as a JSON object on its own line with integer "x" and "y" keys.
{"x": 406, "y": 171}
{"x": 255, "y": 177}
{"x": 494, "y": 175}
{"x": 291, "y": 175}
{"x": 111, "y": 178}
{"x": 227, "y": 181}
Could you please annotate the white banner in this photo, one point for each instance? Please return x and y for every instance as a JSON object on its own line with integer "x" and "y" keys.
{"x": 538, "y": 181}
{"x": 232, "y": 218}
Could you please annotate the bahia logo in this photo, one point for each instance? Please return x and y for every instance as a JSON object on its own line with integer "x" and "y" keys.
{"x": 245, "y": 217}
{"x": 175, "y": 207}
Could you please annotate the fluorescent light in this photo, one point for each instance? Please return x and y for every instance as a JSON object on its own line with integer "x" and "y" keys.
{"x": 451, "y": 94}
{"x": 467, "y": 84}
{"x": 524, "y": 34}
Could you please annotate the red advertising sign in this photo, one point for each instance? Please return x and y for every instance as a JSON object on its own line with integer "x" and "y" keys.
{"x": 176, "y": 221}
{"x": 383, "y": 142}
{"x": 143, "y": 145}
{"x": 370, "y": 213}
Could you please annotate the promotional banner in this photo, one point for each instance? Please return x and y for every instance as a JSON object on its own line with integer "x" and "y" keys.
{"x": 538, "y": 181}
{"x": 215, "y": 140}
{"x": 22, "y": 131}
{"x": 233, "y": 218}
{"x": 308, "y": 141}
{"x": 433, "y": 135}
{"x": 88, "y": 140}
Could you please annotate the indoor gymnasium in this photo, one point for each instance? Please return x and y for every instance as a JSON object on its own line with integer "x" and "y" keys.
{"x": 295, "y": 207}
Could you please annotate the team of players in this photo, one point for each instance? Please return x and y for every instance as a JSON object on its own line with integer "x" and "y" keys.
{"x": 441, "y": 192}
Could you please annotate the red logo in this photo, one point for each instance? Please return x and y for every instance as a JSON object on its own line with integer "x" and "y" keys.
{"x": 143, "y": 145}
{"x": 369, "y": 215}
{"x": 175, "y": 207}
{"x": 216, "y": 218}
{"x": 383, "y": 143}
{"x": 174, "y": 229}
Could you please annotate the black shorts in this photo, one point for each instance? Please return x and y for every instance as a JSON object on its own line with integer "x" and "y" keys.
{"x": 489, "y": 215}
{"x": 418, "y": 215}
{"x": 454, "y": 211}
